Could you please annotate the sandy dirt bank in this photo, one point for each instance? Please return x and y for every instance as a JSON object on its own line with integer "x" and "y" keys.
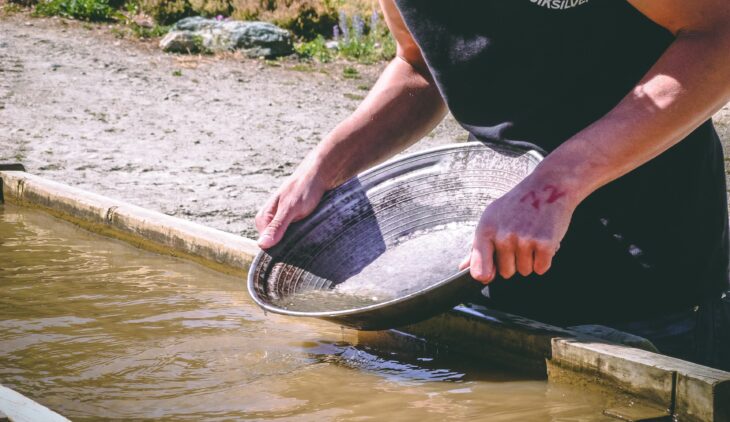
{"x": 204, "y": 138}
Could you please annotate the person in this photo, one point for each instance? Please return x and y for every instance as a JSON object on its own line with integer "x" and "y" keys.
{"x": 624, "y": 223}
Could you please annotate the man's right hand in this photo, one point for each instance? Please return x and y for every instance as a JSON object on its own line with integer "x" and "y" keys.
{"x": 293, "y": 201}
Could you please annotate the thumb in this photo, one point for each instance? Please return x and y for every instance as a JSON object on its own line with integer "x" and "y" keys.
{"x": 274, "y": 231}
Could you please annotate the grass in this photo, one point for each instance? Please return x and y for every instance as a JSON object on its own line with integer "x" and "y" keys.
{"x": 350, "y": 73}
{"x": 302, "y": 67}
{"x": 355, "y": 97}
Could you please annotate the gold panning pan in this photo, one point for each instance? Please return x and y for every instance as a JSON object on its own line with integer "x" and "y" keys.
{"x": 382, "y": 250}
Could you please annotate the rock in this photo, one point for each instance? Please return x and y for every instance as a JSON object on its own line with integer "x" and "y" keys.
{"x": 182, "y": 42}
{"x": 200, "y": 35}
{"x": 332, "y": 45}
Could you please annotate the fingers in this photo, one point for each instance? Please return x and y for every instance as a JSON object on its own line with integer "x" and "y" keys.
{"x": 274, "y": 230}
{"x": 524, "y": 261}
{"x": 508, "y": 255}
{"x": 266, "y": 213}
{"x": 544, "y": 253}
{"x": 481, "y": 260}
{"x": 506, "y": 249}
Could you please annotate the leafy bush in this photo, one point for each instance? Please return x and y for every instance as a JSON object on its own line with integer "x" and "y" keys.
{"x": 88, "y": 10}
{"x": 167, "y": 12}
{"x": 308, "y": 23}
{"x": 211, "y": 8}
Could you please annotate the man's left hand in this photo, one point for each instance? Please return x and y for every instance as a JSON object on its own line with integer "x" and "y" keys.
{"x": 520, "y": 232}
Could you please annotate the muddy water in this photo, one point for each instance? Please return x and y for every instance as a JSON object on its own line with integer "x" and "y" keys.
{"x": 96, "y": 329}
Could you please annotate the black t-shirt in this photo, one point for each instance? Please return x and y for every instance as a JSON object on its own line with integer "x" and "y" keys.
{"x": 533, "y": 73}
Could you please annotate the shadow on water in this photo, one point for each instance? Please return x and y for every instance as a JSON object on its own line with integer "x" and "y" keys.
{"x": 390, "y": 356}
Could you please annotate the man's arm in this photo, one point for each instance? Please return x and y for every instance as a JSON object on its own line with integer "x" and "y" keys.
{"x": 521, "y": 231}
{"x": 402, "y": 107}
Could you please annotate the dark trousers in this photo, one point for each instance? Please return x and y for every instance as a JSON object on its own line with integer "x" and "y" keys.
{"x": 700, "y": 335}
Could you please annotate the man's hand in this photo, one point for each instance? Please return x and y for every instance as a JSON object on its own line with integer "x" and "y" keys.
{"x": 520, "y": 232}
{"x": 297, "y": 197}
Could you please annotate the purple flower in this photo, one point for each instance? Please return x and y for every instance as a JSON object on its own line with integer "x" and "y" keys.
{"x": 343, "y": 25}
{"x": 374, "y": 20}
{"x": 358, "y": 26}
{"x": 219, "y": 18}
{"x": 336, "y": 33}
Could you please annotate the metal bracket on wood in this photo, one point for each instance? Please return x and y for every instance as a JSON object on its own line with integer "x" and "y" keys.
{"x": 12, "y": 167}
{"x": 8, "y": 167}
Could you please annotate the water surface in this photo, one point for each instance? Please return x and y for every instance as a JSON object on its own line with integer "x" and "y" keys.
{"x": 94, "y": 328}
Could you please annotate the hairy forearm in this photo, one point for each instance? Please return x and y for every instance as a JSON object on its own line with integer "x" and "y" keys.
{"x": 684, "y": 88}
{"x": 402, "y": 107}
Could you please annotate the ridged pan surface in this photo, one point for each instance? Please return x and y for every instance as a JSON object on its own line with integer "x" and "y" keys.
{"x": 382, "y": 250}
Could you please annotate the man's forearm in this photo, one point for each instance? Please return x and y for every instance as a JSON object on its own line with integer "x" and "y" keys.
{"x": 684, "y": 88}
{"x": 402, "y": 107}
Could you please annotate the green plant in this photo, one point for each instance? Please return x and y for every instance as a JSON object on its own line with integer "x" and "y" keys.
{"x": 88, "y": 10}
{"x": 315, "y": 49}
{"x": 132, "y": 7}
{"x": 177, "y": 72}
{"x": 360, "y": 49}
{"x": 355, "y": 40}
{"x": 84, "y": 10}
{"x": 350, "y": 73}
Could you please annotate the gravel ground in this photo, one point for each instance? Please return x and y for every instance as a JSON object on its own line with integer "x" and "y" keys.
{"x": 203, "y": 138}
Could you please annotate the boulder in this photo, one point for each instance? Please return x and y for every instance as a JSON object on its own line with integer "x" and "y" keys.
{"x": 201, "y": 35}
